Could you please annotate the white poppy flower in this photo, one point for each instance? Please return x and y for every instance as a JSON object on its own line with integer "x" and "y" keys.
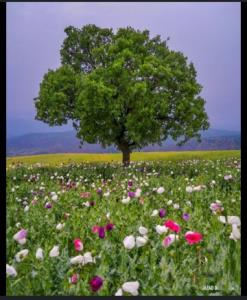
{"x": 131, "y": 287}
{"x": 60, "y": 226}
{"x": 21, "y": 255}
{"x": 176, "y": 206}
{"x": 141, "y": 241}
{"x": 169, "y": 202}
{"x": 143, "y": 230}
{"x": 119, "y": 292}
{"x": 189, "y": 189}
{"x": 155, "y": 213}
{"x": 26, "y": 209}
{"x": 235, "y": 235}
{"x": 87, "y": 204}
{"x": 54, "y": 198}
{"x": 138, "y": 193}
{"x": 126, "y": 200}
{"x": 107, "y": 194}
{"x": 160, "y": 190}
{"x": 39, "y": 254}
{"x": 79, "y": 259}
{"x": 233, "y": 220}
{"x": 11, "y": 271}
{"x": 54, "y": 251}
{"x": 88, "y": 258}
{"x": 160, "y": 229}
{"x": 129, "y": 242}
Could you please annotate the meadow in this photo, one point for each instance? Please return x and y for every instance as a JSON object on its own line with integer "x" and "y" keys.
{"x": 169, "y": 224}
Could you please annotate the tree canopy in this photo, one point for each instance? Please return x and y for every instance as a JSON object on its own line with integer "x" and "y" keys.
{"x": 124, "y": 89}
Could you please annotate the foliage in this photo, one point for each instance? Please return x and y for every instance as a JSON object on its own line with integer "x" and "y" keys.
{"x": 124, "y": 89}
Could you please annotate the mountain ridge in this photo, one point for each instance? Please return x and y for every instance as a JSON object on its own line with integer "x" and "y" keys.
{"x": 65, "y": 142}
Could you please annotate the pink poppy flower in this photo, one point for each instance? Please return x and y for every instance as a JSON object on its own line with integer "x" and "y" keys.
{"x": 78, "y": 245}
{"x": 109, "y": 227}
{"x": 95, "y": 229}
{"x": 169, "y": 240}
{"x": 85, "y": 195}
{"x": 193, "y": 237}
{"x": 172, "y": 225}
{"x": 74, "y": 278}
{"x": 20, "y": 236}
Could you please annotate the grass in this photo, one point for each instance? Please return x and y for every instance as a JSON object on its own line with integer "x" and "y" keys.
{"x": 211, "y": 267}
{"x": 55, "y": 159}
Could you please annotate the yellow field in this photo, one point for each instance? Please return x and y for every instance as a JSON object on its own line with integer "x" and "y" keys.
{"x": 55, "y": 159}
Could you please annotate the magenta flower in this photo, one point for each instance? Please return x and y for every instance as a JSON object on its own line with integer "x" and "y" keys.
{"x": 101, "y": 232}
{"x": 186, "y": 217}
{"x": 131, "y": 194}
{"x": 48, "y": 205}
{"x": 109, "y": 227}
{"x": 96, "y": 283}
{"x": 99, "y": 191}
{"x": 78, "y": 245}
{"x": 92, "y": 203}
{"x": 162, "y": 212}
{"x": 130, "y": 183}
{"x": 20, "y": 236}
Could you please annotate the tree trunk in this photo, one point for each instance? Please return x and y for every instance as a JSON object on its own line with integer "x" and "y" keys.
{"x": 126, "y": 157}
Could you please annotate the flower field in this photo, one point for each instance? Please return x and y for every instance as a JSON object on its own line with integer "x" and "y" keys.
{"x": 153, "y": 228}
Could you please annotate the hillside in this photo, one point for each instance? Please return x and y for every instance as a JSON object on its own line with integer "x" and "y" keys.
{"x": 66, "y": 142}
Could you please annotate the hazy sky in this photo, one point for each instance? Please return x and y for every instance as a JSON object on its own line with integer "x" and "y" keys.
{"x": 207, "y": 33}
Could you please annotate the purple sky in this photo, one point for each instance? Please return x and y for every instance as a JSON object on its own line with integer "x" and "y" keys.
{"x": 207, "y": 33}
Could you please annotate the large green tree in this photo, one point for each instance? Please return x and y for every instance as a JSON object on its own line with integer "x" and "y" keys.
{"x": 124, "y": 89}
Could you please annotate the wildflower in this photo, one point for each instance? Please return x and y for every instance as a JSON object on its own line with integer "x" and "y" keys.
{"x": 126, "y": 200}
{"x": 235, "y": 234}
{"x": 138, "y": 193}
{"x": 85, "y": 195}
{"x": 39, "y": 254}
{"x": 161, "y": 229}
{"x": 21, "y": 255}
{"x": 141, "y": 241}
{"x": 109, "y": 227}
{"x": 193, "y": 237}
{"x": 131, "y": 194}
{"x": 107, "y": 194}
{"x": 131, "y": 287}
{"x": 88, "y": 258}
{"x": 143, "y": 230}
{"x": 162, "y": 212}
{"x": 11, "y": 271}
{"x": 101, "y": 232}
{"x": 26, "y": 209}
{"x": 130, "y": 183}
{"x": 48, "y": 205}
{"x": 78, "y": 245}
{"x": 169, "y": 240}
{"x": 172, "y": 225}
{"x": 119, "y": 292}
{"x": 155, "y": 213}
{"x": 176, "y": 206}
{"x": 95, "y": 229}
{"x": 169, "y": 202}
{"x": 87, "y": 204}
{"x": 129, "y": 242}
{"x": 160, "y": 190}
{"x": 230, "y": 220}
{"x": 189, "y": 189}
{"x": 216, "y": 207}
{"x": 228, "y": 177}
{"x": 91, "y": 203}
{"x": 54, "y": 251}
{"x": 79, "y": 259}
{"x": 20, "y": 236}
{"x": 108, "y": 215}
{"x": 96, "y": 283}
{"x": 74, "y": 278}
{"x": 60, "y": 226}
{"x": 54, "y": 198}
{"x": 186, "y": 217}
{"x": 99, "y": 191}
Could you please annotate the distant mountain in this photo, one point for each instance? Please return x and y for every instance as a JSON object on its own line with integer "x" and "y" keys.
{"x": 66, "y": 142}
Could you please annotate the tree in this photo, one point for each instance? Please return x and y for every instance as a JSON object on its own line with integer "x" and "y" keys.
{"x": 124, "y": 89}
